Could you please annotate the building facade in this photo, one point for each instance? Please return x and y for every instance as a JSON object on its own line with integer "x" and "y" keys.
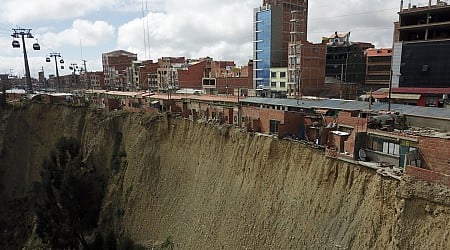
{"x": 306, "y": 69}
{"x": 378, "y": 68}
{"x": 421, "y": 49}
{"x": 271, "y": 36}
{"x": 345, "y": 59}
{"x": 116, "y": 68}
{"x": 278, "y": 79}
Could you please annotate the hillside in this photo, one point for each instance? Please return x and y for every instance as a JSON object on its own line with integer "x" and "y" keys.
{"x": 208, "y": 187}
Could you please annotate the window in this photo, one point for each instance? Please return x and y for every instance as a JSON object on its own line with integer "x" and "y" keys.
{"x": 273, "y": 74}
{"x": 385, "y": 145}
{"x": 431, "y": 101}
{"x": 282, "y": 85}
{"x": 282, "y": 74}
{"x": 274, "y": 126}
{"x": 273, "y": 84}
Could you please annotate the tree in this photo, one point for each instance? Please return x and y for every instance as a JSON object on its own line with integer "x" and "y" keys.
{"x": 69, "y": 197}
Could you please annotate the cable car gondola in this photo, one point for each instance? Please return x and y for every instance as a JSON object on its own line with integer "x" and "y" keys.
{"x": 61, "y": 61}
{"x": 47, "y": 59}
{"x": 36, "y": 46}
{"x": 62, "y": 67}
{"x": 15, "y": 44}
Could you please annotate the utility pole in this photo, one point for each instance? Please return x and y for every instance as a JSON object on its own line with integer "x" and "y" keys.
{"x": 390, "y": 92}
{"x": 22, "y": 33}
{"x": 74, "y": 68}
{"x": 55, "y": 55}
{"x": 87, "y": 77}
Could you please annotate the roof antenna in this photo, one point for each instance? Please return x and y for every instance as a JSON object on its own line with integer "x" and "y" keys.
{"x": 143, "y": 26}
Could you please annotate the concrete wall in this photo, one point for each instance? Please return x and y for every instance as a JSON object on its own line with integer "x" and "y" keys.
{"x": 380, "y": 157}
{"x": 428, "y": 123}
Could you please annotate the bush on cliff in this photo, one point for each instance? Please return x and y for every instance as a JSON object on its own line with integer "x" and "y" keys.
{"x": 68, "y": 198}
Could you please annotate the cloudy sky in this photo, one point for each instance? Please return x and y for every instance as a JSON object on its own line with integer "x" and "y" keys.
{"x": 84, "y": 29}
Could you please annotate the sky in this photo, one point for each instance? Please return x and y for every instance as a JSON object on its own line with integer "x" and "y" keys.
{"x": 84, "y": 29}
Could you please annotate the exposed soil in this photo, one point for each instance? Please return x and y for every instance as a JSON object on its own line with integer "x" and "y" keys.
{"x": 206, "y": 187}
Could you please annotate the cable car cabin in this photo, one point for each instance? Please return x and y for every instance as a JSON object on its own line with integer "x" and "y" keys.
{"x": 62, "y": 67}
{"x": 47, "y": 59}
{"x": 36, "y": 46}
{"x": 15, "y": 44}
{"x": 61, "y": 61}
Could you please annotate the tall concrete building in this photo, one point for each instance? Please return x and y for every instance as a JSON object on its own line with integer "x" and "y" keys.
{"x": 116, "y": 65}
{"x": 271, "y": 36}
{"x": 378, "y": 68}
{"x": 421, "y": 53}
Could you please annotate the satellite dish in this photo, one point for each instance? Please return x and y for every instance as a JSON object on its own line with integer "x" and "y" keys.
{"x": 362, "y": 155}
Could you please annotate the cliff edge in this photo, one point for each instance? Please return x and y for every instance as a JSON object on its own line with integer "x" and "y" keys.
{"x": 210, "y": 187}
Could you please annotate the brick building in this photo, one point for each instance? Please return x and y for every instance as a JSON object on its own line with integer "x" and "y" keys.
{"x": 378, "y": 68}
{"x": 116, "y": 67}
{"x": 167, "y": 72}
{"x": 192, "y": 77}
{"x": 306, "y": 69}
{"x": 148, "y": 75}
{"x": 271, "y": 35}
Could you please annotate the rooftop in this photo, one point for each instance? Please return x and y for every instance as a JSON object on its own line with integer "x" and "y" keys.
{"x": 350, "y": 105}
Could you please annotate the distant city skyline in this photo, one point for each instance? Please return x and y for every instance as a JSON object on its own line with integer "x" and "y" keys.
{"x": 198, "y": 28}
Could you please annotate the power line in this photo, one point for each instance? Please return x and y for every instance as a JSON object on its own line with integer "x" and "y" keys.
{"x": 357, "y": 30}
{"x": 353, "y": 14}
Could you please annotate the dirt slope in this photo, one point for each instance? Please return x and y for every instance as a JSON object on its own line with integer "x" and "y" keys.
{"x": 209, "y": 187}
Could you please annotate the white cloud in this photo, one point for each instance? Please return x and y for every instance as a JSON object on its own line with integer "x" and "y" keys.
{"x": 367, "y": 22}
{"x": 194, "y": 28}
{"x": 89, "y": 33}
{"x": 28, "y": 11}
{"x": 221, "y": 30}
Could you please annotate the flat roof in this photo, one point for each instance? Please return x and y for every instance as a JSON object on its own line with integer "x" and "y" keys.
{"x": 350, "y": 105}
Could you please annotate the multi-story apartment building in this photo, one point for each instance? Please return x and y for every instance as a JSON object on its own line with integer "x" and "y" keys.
{"x": 378, "y": 68}
{"x": 278, "y": 79}
{"x": 116, "y": 67}
{"x": 146, "y": 75}
{"x": 345, "y": 59}
{"x": 421, "y": 49}
{"x": 271, "y": 36}
{"x": 306, "y": 69}
{"x": 167, "y": 72}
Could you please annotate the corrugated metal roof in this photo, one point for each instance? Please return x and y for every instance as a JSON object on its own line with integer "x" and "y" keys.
{"x": 350, "y": 105}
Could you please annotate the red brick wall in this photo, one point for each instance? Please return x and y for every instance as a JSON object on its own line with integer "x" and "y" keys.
{"x": 228, "y": 115}
{"x": 291, "y": 125}
{"x": 436, "y": 154}
{"x": 347, "y": 118}
{"x": 335, "y": 141}
{"x": 427, "y": 175}
{"x": 232, "y": 83}
{"x": 111, "y": 104}
{"x": 313, "y": 64}
{"x": 265, "y": 115}
{"x": 192, "y": 77}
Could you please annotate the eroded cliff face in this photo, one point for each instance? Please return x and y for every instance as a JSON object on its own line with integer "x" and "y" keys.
{"x": 209, "y": 187}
